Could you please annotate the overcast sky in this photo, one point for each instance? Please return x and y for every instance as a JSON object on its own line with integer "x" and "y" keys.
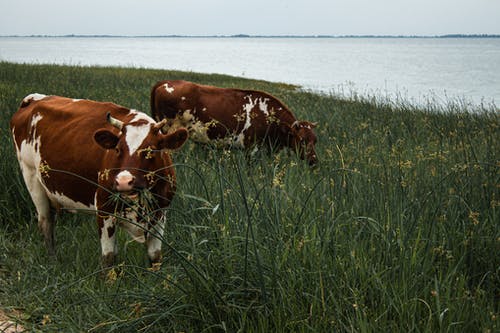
{"x": 257, "y": 17}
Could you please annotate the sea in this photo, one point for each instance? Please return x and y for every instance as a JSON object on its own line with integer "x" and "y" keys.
{"x": 417, "y": 70}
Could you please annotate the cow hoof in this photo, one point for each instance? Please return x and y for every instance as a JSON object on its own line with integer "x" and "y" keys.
{"x": 155, "y": 259}
{"x": 155, "y": 267}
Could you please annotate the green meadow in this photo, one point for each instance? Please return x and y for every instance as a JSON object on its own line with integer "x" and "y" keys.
{"x": 396, "y": 230}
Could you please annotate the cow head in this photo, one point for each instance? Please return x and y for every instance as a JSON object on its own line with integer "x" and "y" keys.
{"x": 303, "y": 139}
{"x": 135, "y": 154}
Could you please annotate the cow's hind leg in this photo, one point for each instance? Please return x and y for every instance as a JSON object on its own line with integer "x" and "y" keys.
{"x": 46, "y": 223}
{"x": 46, "y": 219}
{"x": 46, "y": 226}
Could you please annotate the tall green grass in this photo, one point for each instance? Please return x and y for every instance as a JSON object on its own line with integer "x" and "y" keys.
{"x": 396, "y": 230}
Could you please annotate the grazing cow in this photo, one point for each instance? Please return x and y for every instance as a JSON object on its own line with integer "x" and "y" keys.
{"x": 102, "y": 157}
{"x": 232, "y": 117}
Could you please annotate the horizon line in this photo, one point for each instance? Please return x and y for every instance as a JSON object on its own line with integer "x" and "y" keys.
{"x": 257, "y": 36}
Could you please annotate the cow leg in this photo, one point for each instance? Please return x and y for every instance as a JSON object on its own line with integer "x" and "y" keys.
{"x": 154, "y": 241}
{"x": 107, "y": 231}
{"x": 46, "y": 226}
{"x": 42, "y": 205}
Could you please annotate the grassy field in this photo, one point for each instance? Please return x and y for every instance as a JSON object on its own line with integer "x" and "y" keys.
{"x": 397, "y": 230}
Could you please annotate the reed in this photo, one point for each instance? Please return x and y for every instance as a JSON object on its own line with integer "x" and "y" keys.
{"x": 396, "y": 230}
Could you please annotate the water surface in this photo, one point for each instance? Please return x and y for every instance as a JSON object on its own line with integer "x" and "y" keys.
{"x": 414, "y": 69}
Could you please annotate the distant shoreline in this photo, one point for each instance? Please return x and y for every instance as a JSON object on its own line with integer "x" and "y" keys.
{"x": 258, "y": 36}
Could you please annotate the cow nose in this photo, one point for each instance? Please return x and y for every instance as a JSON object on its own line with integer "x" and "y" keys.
{"x": 124, "y": 181}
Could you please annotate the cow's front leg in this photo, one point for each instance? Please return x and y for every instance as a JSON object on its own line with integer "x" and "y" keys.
{"x": 107, "y": 231}
{"x": 154, "y": 241}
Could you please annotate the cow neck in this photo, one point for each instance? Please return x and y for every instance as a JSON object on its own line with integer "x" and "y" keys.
{"x": 286, "y": 116}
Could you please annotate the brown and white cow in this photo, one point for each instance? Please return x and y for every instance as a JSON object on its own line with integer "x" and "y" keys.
{"x": 232, "y": 117}
{"x": 99, "y": 157}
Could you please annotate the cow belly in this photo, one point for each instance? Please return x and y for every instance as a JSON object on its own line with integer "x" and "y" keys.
{"x": 32, "y": 167}
{"x": 198, "y": 131}
{"x": 134, "y": 228}
{"x": 60, "y": 201}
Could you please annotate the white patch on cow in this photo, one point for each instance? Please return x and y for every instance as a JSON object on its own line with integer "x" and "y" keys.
{"x": 28, "y": 153}
{"x": 34, "y": 97}
{"x": 137, "y": 133}
{"x": 67, "y": 203}
{"x": 130, "y": 224}
{"x": 29, "y": 161}
{"x": 76, "y": 100}
{"x": 263, "y": 105}
{"x": 182, "y": 98}
{"x": 248, "y": 110}
{"x": 35, "y": 119}
{"x": 168, "y": 89}
{"x": 239, "y": 141}
{"x": 135, "y": 136}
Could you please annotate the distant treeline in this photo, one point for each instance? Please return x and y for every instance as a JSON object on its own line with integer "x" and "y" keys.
{"x": 267, "y": 36}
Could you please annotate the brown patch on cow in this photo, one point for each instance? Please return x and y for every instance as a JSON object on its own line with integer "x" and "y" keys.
{"x": 111, "y": 231}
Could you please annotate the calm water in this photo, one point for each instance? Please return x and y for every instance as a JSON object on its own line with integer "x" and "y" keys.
{"x": 412, "y": 69}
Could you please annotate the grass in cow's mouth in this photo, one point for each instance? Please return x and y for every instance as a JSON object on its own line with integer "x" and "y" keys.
{"x": 141, "y": 200}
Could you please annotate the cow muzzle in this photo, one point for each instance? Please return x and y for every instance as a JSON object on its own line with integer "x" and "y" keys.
{"x": 311, "y": 156}
{"x": 312, "y": 160}
{"x": 125, "y": 184}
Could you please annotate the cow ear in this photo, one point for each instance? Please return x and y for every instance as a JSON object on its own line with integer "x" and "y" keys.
{"x": 106, "y": 139}
{"x": 174, "y": 140}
